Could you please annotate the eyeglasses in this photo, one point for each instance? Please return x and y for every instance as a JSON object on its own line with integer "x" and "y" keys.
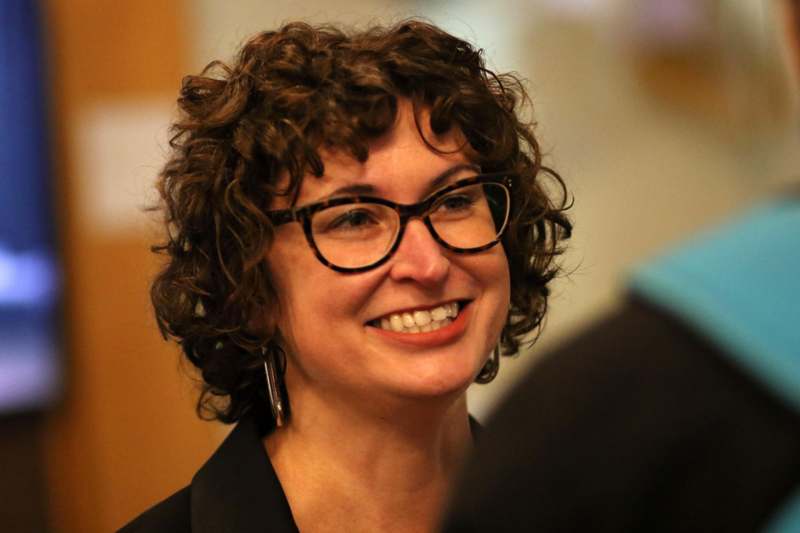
{"x": 358, "y": 233}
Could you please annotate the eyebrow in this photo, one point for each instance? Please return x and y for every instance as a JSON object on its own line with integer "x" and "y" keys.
{"x": 368, "y": 189}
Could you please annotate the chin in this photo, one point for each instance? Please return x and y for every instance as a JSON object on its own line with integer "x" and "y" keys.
{"x": 438, "y": 383}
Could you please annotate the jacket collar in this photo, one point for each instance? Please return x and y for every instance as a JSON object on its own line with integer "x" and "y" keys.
{"x": 237, "y": 489}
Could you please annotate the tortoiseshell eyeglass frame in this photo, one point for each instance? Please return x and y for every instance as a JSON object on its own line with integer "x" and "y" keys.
{"x": 405, "y": 212}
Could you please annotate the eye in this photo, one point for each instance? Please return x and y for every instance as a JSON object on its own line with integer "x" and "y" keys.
{"x": 352, "y": 219}
{"x": 456, "y": 202}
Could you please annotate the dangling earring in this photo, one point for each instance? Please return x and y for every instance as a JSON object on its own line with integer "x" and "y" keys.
{"x": 490, "y": 368}
{"x": 272, "y": 355}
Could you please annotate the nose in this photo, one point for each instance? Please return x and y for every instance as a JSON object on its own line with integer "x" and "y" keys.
{"x": 419, "y": 257}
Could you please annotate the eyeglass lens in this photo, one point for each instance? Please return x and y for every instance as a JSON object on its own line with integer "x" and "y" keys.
{"x": 360, "y": 234}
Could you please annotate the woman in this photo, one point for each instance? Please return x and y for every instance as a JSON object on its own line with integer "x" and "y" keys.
{"x": 334, "y": 205}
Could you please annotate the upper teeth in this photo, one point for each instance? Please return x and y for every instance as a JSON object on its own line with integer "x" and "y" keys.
{"x": 420, "y": 320}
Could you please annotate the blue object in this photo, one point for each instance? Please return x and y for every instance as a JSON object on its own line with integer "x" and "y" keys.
{"x": 787, "y": 520}
{"x": 739, "y": 285}
{"x": 25, "y": 206}
{"x": 29, "y": 369}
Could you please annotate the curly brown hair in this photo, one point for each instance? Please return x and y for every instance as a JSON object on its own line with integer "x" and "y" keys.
{"x": 289, "y": 94}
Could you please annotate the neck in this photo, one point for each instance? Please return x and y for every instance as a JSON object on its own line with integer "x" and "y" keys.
{"x": 389, "y": 465}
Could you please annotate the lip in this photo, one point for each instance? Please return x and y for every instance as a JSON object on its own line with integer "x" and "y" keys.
{"x": 443, "y": 335}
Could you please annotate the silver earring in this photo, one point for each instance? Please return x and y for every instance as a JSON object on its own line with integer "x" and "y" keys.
{"x": 271, "y": 363}
{"x": 490, "y": 368}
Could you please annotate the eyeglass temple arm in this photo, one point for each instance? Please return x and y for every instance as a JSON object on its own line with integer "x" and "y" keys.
{"x": 284, "y": 216}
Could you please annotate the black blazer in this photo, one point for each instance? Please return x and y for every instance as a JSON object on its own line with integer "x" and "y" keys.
{"x": 637, "y": 424}
{"x": 237, "y": 490}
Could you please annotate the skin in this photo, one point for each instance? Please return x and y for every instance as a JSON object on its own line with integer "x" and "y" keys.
{"x": 379, "y": 425}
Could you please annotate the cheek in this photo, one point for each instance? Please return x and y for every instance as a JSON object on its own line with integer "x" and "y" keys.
{"x": 496, "y": 273}
{"x": 314, "y": 300}
{"x": 503, "y": 287}
{"x": 288, "y": 267}
{"x": 489, "y": 273}
{"x": 496, "y": 279}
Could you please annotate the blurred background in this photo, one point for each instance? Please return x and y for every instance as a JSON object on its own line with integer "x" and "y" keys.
{"x": 662, "y": 116}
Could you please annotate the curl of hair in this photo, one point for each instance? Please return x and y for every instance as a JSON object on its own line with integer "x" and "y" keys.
{"x": 289, "y": 94}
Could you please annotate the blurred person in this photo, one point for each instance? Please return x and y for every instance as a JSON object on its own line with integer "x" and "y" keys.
{"x": 355, "y": 222}
{"x": 679, "y": 412}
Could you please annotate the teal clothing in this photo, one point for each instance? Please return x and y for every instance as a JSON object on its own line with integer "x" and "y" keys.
{"x": 739, "y": 286}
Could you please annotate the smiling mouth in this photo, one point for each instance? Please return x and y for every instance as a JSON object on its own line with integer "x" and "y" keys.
{"x": 420, "y": 320}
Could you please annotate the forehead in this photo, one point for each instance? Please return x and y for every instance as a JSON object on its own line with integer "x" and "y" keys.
{"x": 400, "y": 166}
